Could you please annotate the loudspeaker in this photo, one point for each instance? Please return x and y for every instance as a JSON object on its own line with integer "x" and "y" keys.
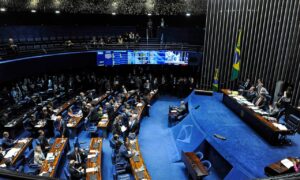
{"x": 203, "y": 92}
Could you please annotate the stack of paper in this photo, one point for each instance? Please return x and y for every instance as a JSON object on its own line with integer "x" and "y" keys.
{"x": 50, "y": 157}
{"x": 94, "y": 151}
{"x": 90, "y": 170}
{"x": 23, "y": 141}
{"x": 12, "y": 152}
{"x": 91, "y": 156}
{"x": 287, "y": 163}
{"x": 280, "y": 126}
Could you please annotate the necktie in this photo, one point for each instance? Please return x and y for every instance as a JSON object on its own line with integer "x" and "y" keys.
{"x": 78, "y": 158}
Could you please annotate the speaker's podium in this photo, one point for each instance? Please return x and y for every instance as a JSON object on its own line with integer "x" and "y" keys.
{"x": 203, "y": 92}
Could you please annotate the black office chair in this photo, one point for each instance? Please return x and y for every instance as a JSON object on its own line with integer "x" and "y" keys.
{"x": 292, "y": 123}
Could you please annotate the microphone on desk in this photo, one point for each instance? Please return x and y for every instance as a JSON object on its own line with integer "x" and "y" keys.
{"x": 219, "y": 136}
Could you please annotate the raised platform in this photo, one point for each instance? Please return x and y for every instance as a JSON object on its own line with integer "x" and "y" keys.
{"x": 243, "y": 154}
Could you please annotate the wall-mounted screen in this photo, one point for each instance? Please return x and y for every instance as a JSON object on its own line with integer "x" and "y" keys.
{"x": 123, "y": 57}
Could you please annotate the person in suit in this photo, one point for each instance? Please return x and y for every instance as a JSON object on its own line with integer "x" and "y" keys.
{"x": 79, "y": 156}
{"x": 133, "y": 125}
{"x": 2, "y": 153}
{"x": 250, "y": 94}
{"x": 43, "y": 141}
{"x": 39, "y": 156}
{"x": 114, "y": 140}
{"x": 259, "y": 85}
{"x": 76, "y": 173}
{"x": 6, "y": 141}
{"x": 3, "y": 122}
{"x": 245, "y": 85}
{"x": 59, "y": 127}
{"x": 93, "y": 114}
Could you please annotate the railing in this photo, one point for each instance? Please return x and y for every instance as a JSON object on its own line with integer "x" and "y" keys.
{"x": 26, "y": 49}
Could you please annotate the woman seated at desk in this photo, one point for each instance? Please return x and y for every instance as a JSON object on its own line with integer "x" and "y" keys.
{"x": 39, "y": 156}
{"x": 296, "y": 163}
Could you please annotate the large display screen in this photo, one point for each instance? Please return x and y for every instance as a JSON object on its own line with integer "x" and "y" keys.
{"x": 123, "y": 57}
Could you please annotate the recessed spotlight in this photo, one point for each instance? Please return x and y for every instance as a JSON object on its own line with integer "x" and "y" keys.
{"x": 188, "y": 14}
{"x": 2, "y": 9}
{"x": 33, "y": 11}
{"x": 149, "y": 14}
{"x": 114, "y": 13}
{"x": 57, "y": 12}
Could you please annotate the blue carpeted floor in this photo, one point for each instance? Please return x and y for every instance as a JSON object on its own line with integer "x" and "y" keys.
{"x": 157, "y": 143}
{"x": 244, "y": 148}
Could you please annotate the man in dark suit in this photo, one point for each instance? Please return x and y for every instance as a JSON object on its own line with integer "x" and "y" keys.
{"x": 79, "y": 156}
{"x": 2, "y": 154}
{"x": 245, "y": 85}
{"x": 43, "y": 141}
{"x": 76, "y": 173}
{"x": 59, "y": 127}
{"x": 6, "y": 141}
{"x": 133, "y": 125}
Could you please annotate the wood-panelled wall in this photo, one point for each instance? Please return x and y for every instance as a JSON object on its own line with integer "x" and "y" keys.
{"x": 270, "y": 44}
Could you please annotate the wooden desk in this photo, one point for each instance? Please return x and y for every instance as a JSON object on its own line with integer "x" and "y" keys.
{"x": 73, "y": 122}
{"x": 137, "y": 162}
{"x": 65, "y": 106}
{"x": 95, "y": 162}
{"x": 278, "y": 168}
{"x": 97, "y": 101}
{"x": 264, "y": 127}
{"x": 49, "y": 168}
{"x": 194, "y": 166}
{"x": 103, "y": 125}
{"x": 22, "y": 145}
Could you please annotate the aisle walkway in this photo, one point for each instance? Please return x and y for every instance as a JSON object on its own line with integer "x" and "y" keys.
{"x": 157, "y": 143}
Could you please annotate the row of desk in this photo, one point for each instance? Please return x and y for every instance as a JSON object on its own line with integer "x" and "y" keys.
{"x": 138, "y": 167}
{"x": 264, "y": 127}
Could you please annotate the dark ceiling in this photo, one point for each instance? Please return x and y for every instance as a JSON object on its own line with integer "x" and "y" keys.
{"x": 127, "y": 7}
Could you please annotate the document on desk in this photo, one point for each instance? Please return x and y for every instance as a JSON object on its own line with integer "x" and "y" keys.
{"x": 94, "y": 151}
{"x": 90, "y": 170}
{"x": 91, "y": 156}
{"x": 287, "y": 163}
{"x": 23, "y": 141}
{"x": 12, "y": 152}
{"x": 280, "y": 126}
{"x": 123, "y": 128}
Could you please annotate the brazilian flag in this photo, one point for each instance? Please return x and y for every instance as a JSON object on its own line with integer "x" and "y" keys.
{"x": 216, "y": 80}
{"x": 237, "y": 59}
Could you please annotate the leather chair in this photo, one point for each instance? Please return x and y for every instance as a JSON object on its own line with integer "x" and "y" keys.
{"x": 292, "y": 123}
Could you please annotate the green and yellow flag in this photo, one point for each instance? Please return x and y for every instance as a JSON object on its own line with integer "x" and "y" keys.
{"x": 237, "y": 59}
{"x": 216, "y": 80}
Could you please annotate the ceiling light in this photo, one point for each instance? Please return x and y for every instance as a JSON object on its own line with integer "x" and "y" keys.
{"x": 2, "y": 9}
